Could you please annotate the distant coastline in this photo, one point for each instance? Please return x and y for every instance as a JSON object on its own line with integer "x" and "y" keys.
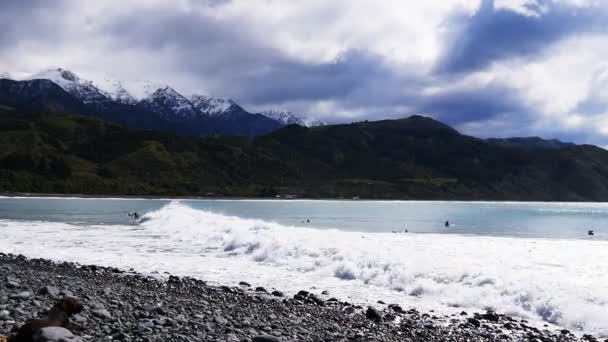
{"x": 241, "y": 198}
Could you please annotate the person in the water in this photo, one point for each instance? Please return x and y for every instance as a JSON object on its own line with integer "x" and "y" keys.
{"x": 134, "y": 215}
{"x": 447, "y": 224}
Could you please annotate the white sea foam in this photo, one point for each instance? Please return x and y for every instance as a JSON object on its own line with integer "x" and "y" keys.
{"x": 564, "y": 282}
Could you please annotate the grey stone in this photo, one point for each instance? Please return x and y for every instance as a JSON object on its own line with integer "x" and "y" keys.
{"x": 474, "y": 322}
{"x": 79, "y": 318}
{"x": 66, "y": 292}
{"x": 21, "y": 295}
{"x": 219, "y": 319}
{"x": 265, "y": 338}
{"x": 54, "y": 334}
{"x": 373, "y": 314}
{"x": 11, "y": 284}
{"x": 49, "y": 290}
{"x": 4, "y": 314}
{"x": 147, "y": 324}
{"x": 102, "y": 313}
{"x": 349, "y": 309}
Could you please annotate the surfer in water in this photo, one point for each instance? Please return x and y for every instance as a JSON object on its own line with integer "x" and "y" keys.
{"x": 447, "y": 224}
{"x": 134, "y": 215}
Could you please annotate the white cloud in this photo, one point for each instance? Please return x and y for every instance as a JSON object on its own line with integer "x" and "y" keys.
{"x": 234, "y": 47}
{"x": 319, "y": 31}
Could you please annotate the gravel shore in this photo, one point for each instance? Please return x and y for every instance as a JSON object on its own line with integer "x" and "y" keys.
{"x": 126, "y": 306}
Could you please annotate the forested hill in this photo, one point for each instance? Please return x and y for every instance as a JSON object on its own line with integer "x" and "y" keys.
{"x": 412, "y": 158}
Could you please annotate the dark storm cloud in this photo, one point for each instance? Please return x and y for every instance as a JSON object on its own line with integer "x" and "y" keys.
{"x": 242, "y": 65}
{"x": 25, "y": 20}
{"x": 475, "y": 104}
{"x": 284, "y": 80}
{"x": 161, "y": 28}
{"x": 495, "y": 34}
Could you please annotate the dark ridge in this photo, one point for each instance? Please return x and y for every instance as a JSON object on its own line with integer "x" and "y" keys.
{"x": 411, "y": 158}
{"x": 38, "y": 95}
{"x": 44, "y": 96}
{"x": 530, "y": 142}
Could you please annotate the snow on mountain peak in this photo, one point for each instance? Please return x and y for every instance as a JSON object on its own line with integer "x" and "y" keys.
{"x": 116, "y": 91}
{"x": 289, "y": 118}
{"x": 6, "y": 75}
{"x": 159, "y": 98}
{"x": 70, "y": 82}
{"x": 211, "y": 105}
{"x": 60, "y": 76}
{"x": 167, "y": 90}
{"x": 141, "y": 89}
{"x": 68, "y": 75}
{"x": 168, "y": 102}
{"x": 129, "y": 92}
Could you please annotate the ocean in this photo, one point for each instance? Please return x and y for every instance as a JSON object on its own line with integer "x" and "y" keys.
{"x": 531, "y": 260}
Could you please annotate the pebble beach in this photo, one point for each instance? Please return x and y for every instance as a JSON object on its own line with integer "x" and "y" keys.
{"x": 122, "y": 305}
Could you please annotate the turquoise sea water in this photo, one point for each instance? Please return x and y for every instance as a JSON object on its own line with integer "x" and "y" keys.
{"x": 519, "y": 219}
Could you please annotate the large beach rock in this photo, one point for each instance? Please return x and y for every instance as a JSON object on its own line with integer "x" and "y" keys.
{"x": 397, "y": 308}
{"x": 373, "y": 314}
{"x": 265, "y": 338}
{"x": 55, "y": 334}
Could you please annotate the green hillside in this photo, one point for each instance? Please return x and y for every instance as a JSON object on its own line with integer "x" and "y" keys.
{"x": 409, "y": 158}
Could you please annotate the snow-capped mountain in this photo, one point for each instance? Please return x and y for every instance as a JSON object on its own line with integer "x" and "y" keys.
{"x": 170, "y": 104}
{"x": 289, "y": 118}
{"x": 149, "y": 105}
{"x": 212, "y": 106}
{"x": 6, "y": 75}
{"x": 130, "y": 92}
{"x": 117, "y": 91}
{"x": 84, "y": 90}
{"x": 140, "y": 89}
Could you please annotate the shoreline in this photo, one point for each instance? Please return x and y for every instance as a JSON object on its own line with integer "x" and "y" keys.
{"x": 19, "y": 195}
{"x": 129, "y": 306}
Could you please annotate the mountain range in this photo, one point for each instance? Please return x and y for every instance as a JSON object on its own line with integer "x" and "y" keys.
{"x": 141, "y": 104}
{"x": 411, "y": 158}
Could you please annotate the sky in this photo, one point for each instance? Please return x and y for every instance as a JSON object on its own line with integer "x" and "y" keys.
{"x": 487, "y": 67}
